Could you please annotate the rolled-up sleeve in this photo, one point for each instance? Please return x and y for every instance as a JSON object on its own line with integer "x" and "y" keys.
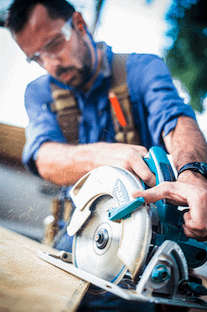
{"x": 43, "y": 125}
{"x": 156, "y": 92}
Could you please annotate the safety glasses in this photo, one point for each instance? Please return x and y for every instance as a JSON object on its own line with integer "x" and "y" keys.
{"x": 54, "y": 46}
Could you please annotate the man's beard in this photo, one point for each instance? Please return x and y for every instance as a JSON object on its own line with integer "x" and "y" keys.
{"x": 85, "y": 72}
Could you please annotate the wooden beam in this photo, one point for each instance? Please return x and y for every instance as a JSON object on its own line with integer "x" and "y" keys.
{"x": 12, "y": 140}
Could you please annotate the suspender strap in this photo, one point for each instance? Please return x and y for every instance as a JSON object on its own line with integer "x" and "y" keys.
{"x": 121, "y": 106}
{"x": 68, "y": 114}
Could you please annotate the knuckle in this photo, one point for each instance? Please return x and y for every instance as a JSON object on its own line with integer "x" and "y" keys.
{"x": 147, "y": 176}
{"x": 199, "y": 227}
{"x": 143, "y": 150}
{"x": 203, "y": 196}
{"x": 164, "y": 188}
{"x": 202, "y": 227}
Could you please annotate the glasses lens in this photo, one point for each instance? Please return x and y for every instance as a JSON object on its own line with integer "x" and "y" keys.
{"x": 66, "y": 30}
{"x": 36, "y": 58}
{"x": 55, "y": 45}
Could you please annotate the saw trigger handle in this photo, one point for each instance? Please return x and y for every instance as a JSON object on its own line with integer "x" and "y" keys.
{"x": 159, "y": 164}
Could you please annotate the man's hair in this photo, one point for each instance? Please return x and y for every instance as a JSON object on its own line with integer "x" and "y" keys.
{"x": 20, "y": 11}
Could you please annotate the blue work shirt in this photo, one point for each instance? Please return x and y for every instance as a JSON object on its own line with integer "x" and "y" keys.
{"x": 155, "y": 104}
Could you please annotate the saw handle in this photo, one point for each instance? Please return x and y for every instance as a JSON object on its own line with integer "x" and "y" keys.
{"x": 170, "y": 217}
{"x": 159, "y": 164}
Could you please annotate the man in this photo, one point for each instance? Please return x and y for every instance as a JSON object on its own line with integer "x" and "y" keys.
{"x": 54, "y": 35}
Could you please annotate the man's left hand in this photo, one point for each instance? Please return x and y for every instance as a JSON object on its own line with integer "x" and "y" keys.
{"x": 190, "y": 190}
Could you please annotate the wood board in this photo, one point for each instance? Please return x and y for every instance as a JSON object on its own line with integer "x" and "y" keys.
{"x": 12, "y": 140}
{"x": 28, "y": 283}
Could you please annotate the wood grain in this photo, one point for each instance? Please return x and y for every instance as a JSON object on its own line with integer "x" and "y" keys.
{"x": 28, "y": 283}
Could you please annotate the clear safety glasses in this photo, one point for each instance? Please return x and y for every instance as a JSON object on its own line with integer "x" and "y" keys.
{"x": 55, "y": 46}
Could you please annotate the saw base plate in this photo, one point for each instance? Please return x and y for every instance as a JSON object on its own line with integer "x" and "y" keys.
{"x": 182, "y": 301}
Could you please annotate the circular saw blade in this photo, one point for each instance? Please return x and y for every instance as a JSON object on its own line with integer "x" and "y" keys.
{"x": 95, "y": 246}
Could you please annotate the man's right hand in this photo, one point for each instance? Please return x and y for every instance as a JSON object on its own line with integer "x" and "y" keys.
{"x": 65, "y": 164}
{"x": 126, "y": 156}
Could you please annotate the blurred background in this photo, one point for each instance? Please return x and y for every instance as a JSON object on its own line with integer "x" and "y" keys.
{"x": 176, "y": 30}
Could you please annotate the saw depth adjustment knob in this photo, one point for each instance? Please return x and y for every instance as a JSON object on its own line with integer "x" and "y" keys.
{"x": 160, "y": 274}
{"x": 101, "y": 238}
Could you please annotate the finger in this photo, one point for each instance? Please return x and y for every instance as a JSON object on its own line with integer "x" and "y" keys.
{"x": 200, "y": 236}
{"x": 172, "y": 191}
{"x": 195, "y": 222}
{"x": 153, "y": 194}
{"x": 140, "y": 149}
{"x": 141, "y": 169}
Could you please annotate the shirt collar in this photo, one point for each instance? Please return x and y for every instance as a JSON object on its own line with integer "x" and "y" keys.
{"x": 106, "y": 68}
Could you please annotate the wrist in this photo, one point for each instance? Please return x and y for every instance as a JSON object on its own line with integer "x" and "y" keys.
{"x": 196, "y": 167}
{"x": 190, "y": 176}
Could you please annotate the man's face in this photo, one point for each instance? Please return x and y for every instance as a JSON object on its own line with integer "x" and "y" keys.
{"x": 73, "y": 64}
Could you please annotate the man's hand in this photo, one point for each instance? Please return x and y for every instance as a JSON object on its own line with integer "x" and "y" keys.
{"x": 65, "y": 164}
{"x": 184, "y": 193}
{"x": 126, "y": 156}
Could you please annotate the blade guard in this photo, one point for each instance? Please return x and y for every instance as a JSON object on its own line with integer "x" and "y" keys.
{"x": 119, "y": 184}
{"x": 114, "y": 181}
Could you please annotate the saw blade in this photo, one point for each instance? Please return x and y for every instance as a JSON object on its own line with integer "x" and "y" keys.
{"x": 95, "y": 246}
{"x": 101, "y": 247}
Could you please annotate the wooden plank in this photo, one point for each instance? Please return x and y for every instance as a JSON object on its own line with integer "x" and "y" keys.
{"x": 12, "y": 140}
{"x": 28, "y": 283}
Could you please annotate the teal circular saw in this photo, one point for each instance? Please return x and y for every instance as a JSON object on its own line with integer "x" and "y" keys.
{"x": 121, "y": 240}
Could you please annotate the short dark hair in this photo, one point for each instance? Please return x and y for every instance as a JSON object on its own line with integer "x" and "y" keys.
{"x": 20, "y": 10}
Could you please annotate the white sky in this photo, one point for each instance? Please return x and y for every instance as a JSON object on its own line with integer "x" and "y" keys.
{"x": 15, "y": 73}
{"x": 130, "y": 26}
{"x": 135, "y": 27}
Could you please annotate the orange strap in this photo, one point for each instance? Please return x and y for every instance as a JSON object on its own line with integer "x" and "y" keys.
{"x": 117, "y": 108}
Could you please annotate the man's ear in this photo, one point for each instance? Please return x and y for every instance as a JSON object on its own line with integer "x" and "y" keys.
{"x": 78, "y": 22}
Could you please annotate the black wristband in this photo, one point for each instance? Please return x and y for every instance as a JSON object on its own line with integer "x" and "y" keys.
{"x": 200, "y": 167}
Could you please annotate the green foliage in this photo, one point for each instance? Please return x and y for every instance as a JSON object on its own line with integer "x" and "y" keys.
{"x": 187, "y": 57}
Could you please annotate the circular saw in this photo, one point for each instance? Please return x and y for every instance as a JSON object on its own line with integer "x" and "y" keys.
{"x": 121, "y": 240}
